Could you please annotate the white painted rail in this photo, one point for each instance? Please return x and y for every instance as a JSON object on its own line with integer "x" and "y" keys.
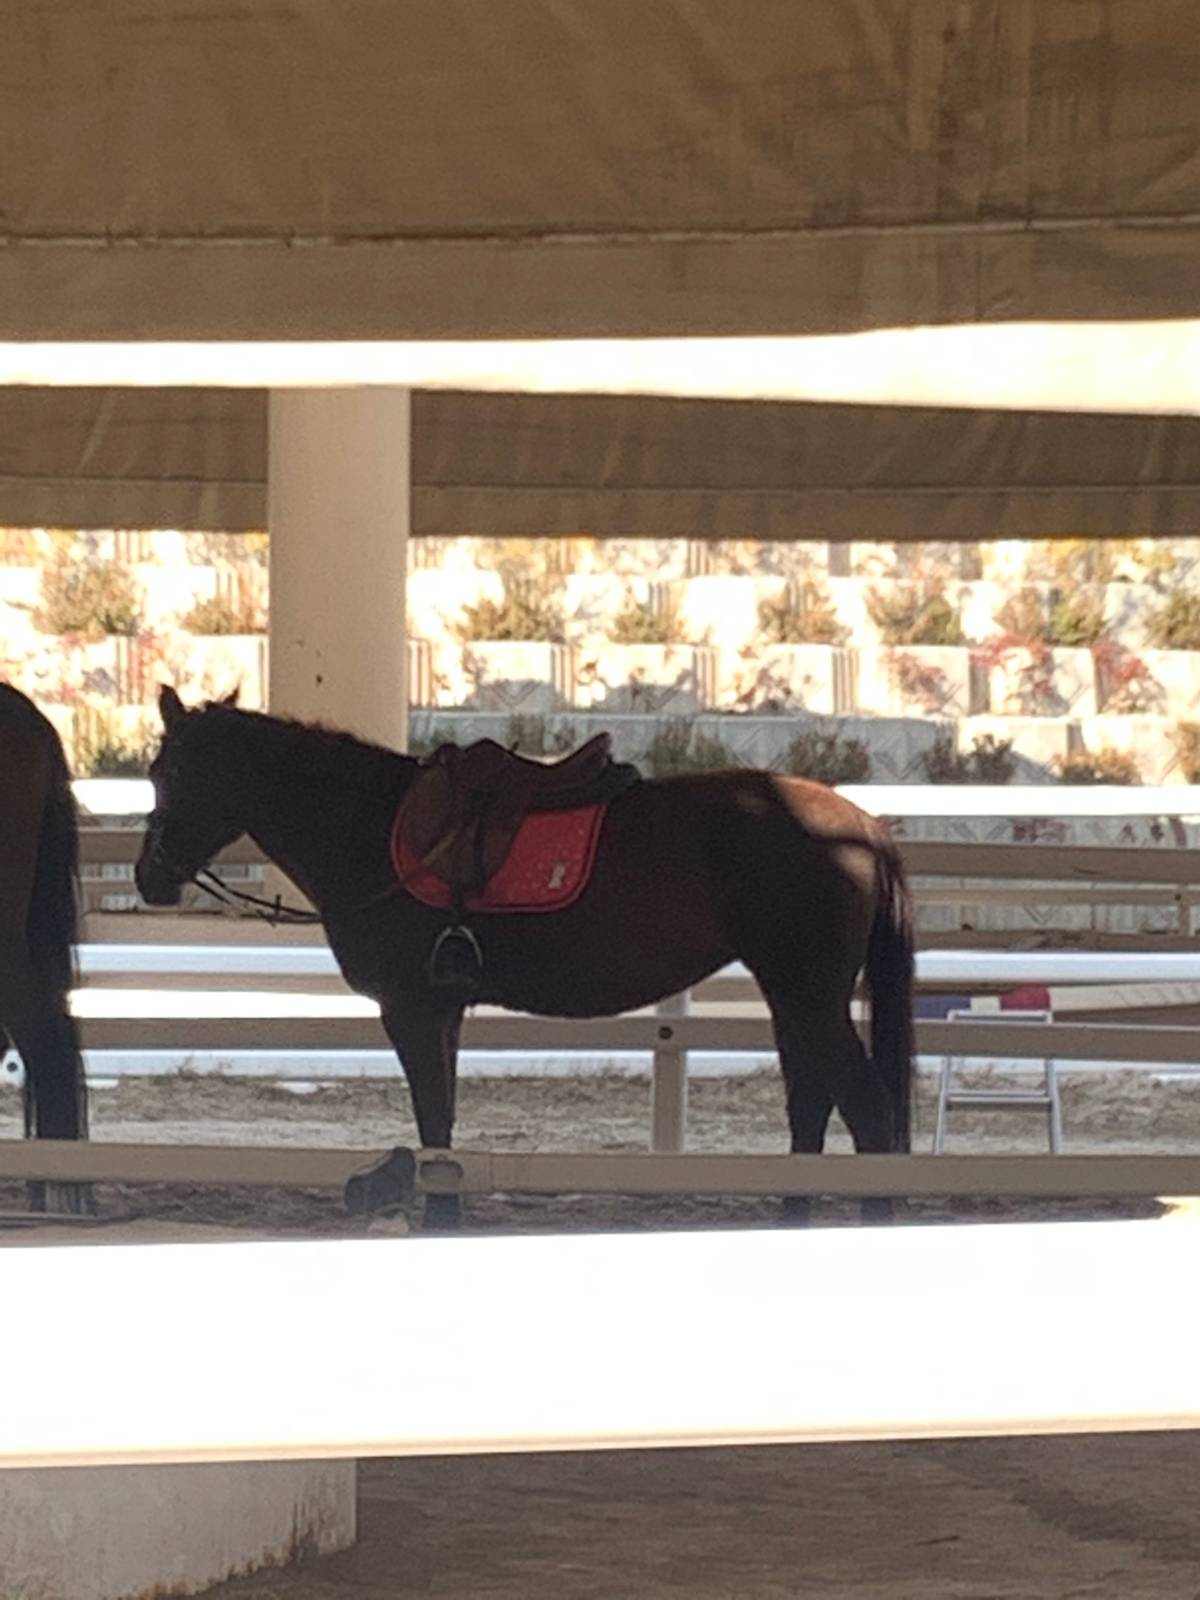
{"x": 134, "y": 797}
{"x": 186, "y": 1031}
{"x": 326, "y": 1018}
{"x": 1093, "y": 864}
{"x": 944, "y": 873}
{"x": 592, "y": 1342}
{"x": 947, "y": 967}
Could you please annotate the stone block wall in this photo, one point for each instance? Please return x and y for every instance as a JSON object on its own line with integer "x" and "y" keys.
{"x": 899, "y": 645}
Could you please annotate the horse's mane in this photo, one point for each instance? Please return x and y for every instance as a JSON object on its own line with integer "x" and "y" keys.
{"x": 326, "y": 752}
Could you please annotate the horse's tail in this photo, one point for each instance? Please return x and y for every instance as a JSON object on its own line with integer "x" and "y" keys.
{"x": 889, "y": 971}
{"x": 57, "y": 1102}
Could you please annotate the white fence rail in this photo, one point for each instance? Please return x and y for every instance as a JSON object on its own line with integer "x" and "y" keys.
{"x": 134, "y": 797}
{"x": 486, "y": 1172}
{"x": 966, "y": 875}
{"x": 599, "y": 1349}
{"x": 308, "y": 964}
{"x": 970, "y": 1299}
{"x": 1075, "y": 874}
{"x": 256, "y": 1029}
{"x": 1093, "y": 864}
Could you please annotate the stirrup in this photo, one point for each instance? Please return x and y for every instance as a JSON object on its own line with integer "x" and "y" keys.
{"x": 456, "y": 960}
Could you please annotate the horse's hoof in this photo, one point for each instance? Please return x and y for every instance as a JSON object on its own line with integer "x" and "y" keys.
{"x": 389, "y": 1185}
{"x": 443, "y": 1214}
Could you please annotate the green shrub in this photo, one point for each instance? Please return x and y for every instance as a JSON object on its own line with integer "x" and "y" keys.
{"x": 989, "y": 760}
{"x": 1124, "y": 682}
{"x": 800, "y": 616}
{"x": 1024, "y": 618}
{"x": 1187, "y": 744}
{"x": 911, "y": 614}
{"x": 679, "y": 746}
{"x": 1081, "y": 561}
{"x": 101, "y": 752}
{"x": 88, "y": 596}
{"x": 221, "y": 617}
{"x": 533, "y": 736}
{"x": 1076, "y": 619}
{"x": 1098, "y": 766}
{"x": 827, "y": 757}
{"x": 523, "y": 616}
{"x": 1176, "y": 624}
{"x": 19, "y": 547}
{"x": 425, "y": 743}
{"x": 639, "y": 623}
{"x": 228, "y": 549}
{"x": 517, "y": 560}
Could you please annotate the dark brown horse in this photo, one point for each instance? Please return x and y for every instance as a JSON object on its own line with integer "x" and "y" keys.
{"x": 39, "y": 855}
{"x": 690, "y": 874}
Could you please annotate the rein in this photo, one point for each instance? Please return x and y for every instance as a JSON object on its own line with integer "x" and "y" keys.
{"x": 273, "y": 912}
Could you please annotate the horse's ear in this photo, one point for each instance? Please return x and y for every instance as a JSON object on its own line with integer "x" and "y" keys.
{"x": 170, "y": 707}
{"x": 232, "y": 699}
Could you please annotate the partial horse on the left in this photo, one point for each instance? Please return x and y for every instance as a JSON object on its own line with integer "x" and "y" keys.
{"x": 39, "y": 910}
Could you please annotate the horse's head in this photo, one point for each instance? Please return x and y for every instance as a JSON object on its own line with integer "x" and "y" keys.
{"x": 202, "y": 791}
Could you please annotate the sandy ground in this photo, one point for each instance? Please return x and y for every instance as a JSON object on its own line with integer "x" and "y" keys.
{"x": 1111, "y": 1517}
{"x": 1127, "y": 1112}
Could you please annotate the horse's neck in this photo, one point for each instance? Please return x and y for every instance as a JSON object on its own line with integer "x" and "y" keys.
{"x": 324, "y": 814}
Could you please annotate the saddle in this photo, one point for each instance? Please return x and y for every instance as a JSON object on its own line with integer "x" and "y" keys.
{"x": 464, "y": 809}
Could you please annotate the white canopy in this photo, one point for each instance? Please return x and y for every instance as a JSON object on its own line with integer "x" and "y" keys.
{"x": 621, "y": 465}
{"x": 387, "y": 169}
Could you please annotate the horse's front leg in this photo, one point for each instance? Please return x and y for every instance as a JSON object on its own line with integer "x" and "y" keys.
{"x": 424, "y": 1030}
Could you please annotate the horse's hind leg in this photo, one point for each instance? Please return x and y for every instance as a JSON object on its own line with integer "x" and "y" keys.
{"x": 809, "y": 1108}
{"x": 825, "y": 1066}
{"x": 41, "y": 1031}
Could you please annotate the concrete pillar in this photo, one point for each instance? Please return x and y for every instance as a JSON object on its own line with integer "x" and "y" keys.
{"x": 123, "y": 1533}
{"x": 339, "y": 497}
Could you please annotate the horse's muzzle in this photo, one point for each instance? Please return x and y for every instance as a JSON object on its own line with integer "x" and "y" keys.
{"x": 156, "y": 888}
{"x": 157, "y": 882}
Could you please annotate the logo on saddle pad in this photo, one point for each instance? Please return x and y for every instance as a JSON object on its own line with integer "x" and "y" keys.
{"x": 547, "y": 867}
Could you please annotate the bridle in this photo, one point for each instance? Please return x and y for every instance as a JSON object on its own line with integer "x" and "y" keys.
{"x": 274, "y": 912}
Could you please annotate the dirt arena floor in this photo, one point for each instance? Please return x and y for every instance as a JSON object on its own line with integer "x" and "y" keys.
{"x": 1122, "y": 1112}
{"x": 1115, "y": 1518}
{"x": 1101, "y": 1518}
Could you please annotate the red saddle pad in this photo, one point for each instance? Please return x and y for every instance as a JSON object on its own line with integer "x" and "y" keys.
{"x": 547, "y": 869}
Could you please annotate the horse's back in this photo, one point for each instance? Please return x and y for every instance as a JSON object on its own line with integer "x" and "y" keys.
{"x": 757, "y": 793}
